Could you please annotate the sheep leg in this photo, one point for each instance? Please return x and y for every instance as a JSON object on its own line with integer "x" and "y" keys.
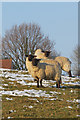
{"x": 38, "y": 83}
{"x": 60, "y": 81}
{"x": 70, "y": 75}
{"x": 58, "y": 84}
{"x": 41, "y": 83}
{"x": 35, "y": 80}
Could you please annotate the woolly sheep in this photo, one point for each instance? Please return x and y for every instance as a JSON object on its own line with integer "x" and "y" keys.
{"x": 45, "y": 71}
{"x": 64, "y": 62}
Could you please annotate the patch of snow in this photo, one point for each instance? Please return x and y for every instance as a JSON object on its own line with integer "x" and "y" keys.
{"x": 11, "y": 82}
{"x": 63, "y": 93}
{"x": 53, "y": 99}
{"x": 75, "y": 100}
{"x": 12, "y": 79}
{"x": 9, "y": 99}
{"x": 5, "y": 84}
{"x": 1, "y": 87}
{"x": 70, "y": 80}
{"x": 54, "y": 92}
{"x": 70, "y": 83}
{"x": 11, "y": 111}
{"x": 69, "y": 107}
{"x": 22, "y": 82}
{"x": 78, "y": 115}
{"x": 33, "y": 99}
{"x": 2, "y": 69}
{"x": 29, "y": 93}
{"x": 66, "y": 78}
{"x": 63, "y": 89}
{"x": 32, "y": 84}
{"x": 78, "y": 100}
{"x": 10, "y": 117}
{"x": 71, "y": 91}
{"x": 78, "y": 106}
{"x": 30, "y": 106}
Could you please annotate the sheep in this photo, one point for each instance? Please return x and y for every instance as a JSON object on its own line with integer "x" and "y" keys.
{"x": 64, "y": 62}
{"x": 40, "y": 71}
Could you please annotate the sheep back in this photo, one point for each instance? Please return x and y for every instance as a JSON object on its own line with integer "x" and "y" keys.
{"x": 64, "y": 62}
{"x": 53, "y": 69}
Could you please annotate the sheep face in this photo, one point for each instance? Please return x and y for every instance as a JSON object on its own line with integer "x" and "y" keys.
{"x": 30, "y": 57}
{"x": 35, "y": 61}
{"x": 46, "y": 53}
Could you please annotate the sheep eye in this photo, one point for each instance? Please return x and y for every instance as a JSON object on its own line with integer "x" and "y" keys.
{"x": 43, "y": 51}
{"x": 26, "y": 55}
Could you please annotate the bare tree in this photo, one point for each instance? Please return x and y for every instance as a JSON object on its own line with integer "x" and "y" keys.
{"x": 76, "y": 61}
{"x": 24, "y": 39}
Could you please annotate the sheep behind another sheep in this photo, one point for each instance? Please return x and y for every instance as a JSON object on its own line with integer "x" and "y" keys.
{"x": 64, "y": 62}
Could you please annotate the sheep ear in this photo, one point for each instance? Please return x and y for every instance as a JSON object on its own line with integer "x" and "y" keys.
{"x": 26, "y": 55}
{"x": 43, "y": 51}
{"x": 35, "y": 56}
{"x": 47, "y": 53}
{"x": 38, "y": 59}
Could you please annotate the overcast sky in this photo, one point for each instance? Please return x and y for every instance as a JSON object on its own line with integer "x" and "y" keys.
{"x": 58, "y": 20}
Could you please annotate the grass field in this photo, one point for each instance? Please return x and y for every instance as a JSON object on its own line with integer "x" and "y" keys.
{"x": 22, "y": 99}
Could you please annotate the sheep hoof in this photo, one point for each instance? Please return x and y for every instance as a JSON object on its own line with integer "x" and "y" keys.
{"x": 42, "y": 86}
{"x": 37, "y": 86}
{"x": 58, "y": 85}
{"x": 35, "y": 80}
{"x": 70, "y": 75}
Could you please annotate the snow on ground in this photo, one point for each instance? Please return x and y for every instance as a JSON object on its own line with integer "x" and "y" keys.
{"x": 75, "y": 100}
{"x": 21, "y": 78}
{"x": 29, "y": 93}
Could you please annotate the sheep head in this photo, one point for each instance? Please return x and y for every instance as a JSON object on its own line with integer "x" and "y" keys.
{"x": 35, "y": 61}
{"x": 30, "y": 57}
{"x": 46, "y": 53}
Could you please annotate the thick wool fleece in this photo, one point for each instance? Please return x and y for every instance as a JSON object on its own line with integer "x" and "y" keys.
{"x": 56, "y": 66}
{"x": 46, "y": 71}
{"x": 64, "y": 62}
